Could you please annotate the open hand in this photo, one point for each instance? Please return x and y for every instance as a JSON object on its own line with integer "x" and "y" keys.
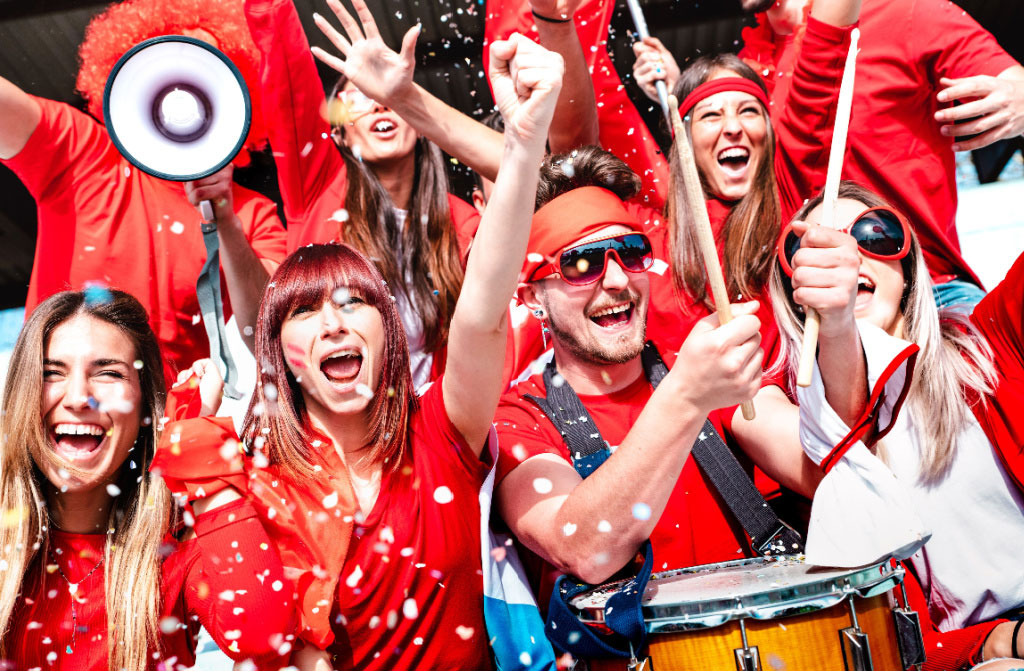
{"x": 826, "y": 270}
{"x": 525, "y": 79}
{"x": 371, "y": 65}
{"x": 996, "y": 110}
{"x": 653, "y": 63}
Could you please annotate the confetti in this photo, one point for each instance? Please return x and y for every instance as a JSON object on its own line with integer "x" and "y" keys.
{"x": 330, "y": 501}
{"x": 113, "y": 489}
{"x": 96, "y": 293}
{"x": 443, "y": 495}
{"x": 569, "y": 529}
{"x": 542, "y": 485}
{"x": 177, "y": 228}
{"x": 641, "y": 511}
{"x": 463, "y": 632}
{"x": 604, "y": 526}
{"x": 169, "y": 624}
{"x": 410, "y": 610}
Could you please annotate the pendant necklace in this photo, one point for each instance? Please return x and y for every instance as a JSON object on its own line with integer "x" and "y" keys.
{"x": 73, "y": 591}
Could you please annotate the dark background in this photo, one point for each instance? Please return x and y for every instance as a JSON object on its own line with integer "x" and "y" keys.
{"x": 39, "y": 42}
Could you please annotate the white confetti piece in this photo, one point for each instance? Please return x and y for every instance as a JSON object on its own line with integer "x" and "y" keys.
{"x": 641, "y": 511}
{"x": 113, "y": 489}
{"x": 443, "y": 495}
{"x": 353, "y": 578}
{"x": 330, "y": 501}
{"x": 177, "y": 228}
{"x": 410, "y": 610}
{"x": 463, "y": 632}
{"x": 542, "y": 485}
{"x": 604, "y": 526}
{"x": 569, "y": 529}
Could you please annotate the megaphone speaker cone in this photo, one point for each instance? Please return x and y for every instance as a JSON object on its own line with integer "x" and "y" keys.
{"x": 177, "y": 108}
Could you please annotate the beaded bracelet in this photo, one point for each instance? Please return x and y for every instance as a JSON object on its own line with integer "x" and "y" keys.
{"x": 549, "y": 19}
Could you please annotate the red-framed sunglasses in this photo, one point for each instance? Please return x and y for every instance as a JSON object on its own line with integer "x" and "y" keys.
{"x": 880, "y": 232}
{"x": 585, "y": 263}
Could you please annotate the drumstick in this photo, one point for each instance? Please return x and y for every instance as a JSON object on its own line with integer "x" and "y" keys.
{"x": 828, "y": 206}
{"x": 642, "y": 32}
{"x": 699, "y": 214}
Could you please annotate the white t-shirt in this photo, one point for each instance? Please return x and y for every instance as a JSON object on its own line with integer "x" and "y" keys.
{"x": 420, "y": 360}
{"x": 972, "y": 569}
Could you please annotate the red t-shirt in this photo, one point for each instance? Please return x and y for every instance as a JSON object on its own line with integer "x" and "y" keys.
{"x": 102, "y": 219}
{"x": 229, "y": 553}
{"x": 410, "y": 594}
{"x": 894, "y": 146}
{"x": 695, "y": 528}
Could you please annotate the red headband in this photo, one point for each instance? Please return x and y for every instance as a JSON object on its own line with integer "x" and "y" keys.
{"x": 710, "y": 88}
{"x": 571, "y": 216}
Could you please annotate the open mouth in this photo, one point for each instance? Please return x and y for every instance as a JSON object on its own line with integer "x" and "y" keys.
{"x": 865, "y": 289}
{"x": 384, "y": 126}
{"x": 342, "y": 367}
{"x": 734, "y": 159}
{"x": 74, "y": 441}
{"x": 616, "y": 315}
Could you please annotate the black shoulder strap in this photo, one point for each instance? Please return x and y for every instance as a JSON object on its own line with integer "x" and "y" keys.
{"x": 768, "y": 534}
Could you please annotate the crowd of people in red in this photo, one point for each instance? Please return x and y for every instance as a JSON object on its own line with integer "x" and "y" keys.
{"x": 344, "y": 522}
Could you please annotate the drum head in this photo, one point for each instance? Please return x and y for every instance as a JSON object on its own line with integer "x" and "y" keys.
{"x": 761, "y": 588}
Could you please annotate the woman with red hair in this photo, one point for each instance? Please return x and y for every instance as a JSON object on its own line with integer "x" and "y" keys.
{"x": 103, "y": 220}
{"x": 370, "y": 492}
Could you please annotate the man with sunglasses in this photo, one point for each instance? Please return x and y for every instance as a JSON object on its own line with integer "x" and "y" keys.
{"x": 586, "y": 277}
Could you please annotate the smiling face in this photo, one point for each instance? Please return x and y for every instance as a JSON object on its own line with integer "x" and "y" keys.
{"x": 729, "y": 132}
{"x": 90, "y": 402}
{"x": 603, "y": 322}
{"x": 881, "y": 284}
{"x": 335, "y": 351}
{"x": 379, "y": 136}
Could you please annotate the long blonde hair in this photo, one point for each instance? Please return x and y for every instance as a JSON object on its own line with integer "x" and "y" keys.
{"x": 752, "y": 225}
{"x": 139, "y": 516}
{"x": 953, "y": 356}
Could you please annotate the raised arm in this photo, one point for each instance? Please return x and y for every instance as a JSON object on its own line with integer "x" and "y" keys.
{"x": 386, "y": 76}
{"x": 526, "y": 79}
{"x": 716, "y": 368}
{"x": 575, "y": 123}
{"x": 20, "y": 116}
{"x": 292, "y": 97}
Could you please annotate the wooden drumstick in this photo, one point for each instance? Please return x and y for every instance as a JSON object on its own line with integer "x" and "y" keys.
{"x": 828, "y": 205}
{"x": 706, "y": 238}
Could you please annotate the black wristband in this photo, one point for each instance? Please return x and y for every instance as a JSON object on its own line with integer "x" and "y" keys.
{"x": 1013, "y": 639}
{"x": 549, "y": 19}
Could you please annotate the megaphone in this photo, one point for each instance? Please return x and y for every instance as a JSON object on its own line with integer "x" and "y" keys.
{"x": 176, "y": 108}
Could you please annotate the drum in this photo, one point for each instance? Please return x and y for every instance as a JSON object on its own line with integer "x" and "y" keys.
{"x": 771, "y": 614}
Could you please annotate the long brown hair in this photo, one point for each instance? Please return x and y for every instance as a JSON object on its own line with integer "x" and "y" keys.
{"x": 139, "y": 516}
{"x": 431, "y": 270}
{"x": 953, "y": 356}
{"x": 752, "y": 225}
{"x": 277, "y": 422}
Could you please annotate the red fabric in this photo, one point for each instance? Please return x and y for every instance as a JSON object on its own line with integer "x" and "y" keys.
{"x": 956, "y": 650}
{"x": 310, "y": 170}
{"x": 569, "y": 217}
{"x": 622, "y": 129}
{"x": 894, "y": 145}
{"x": 353, "y": 578}
{"x": 229, "y": 553}
{"x": 713, "y": 86}
{"x": 1000, "y": 319}
{"x": 695, "y": 528}
{"x": 102, "y": 219}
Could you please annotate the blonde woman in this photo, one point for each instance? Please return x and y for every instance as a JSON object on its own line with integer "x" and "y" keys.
{"x": 954, "y": 449}
{"x": 91, "y": 577}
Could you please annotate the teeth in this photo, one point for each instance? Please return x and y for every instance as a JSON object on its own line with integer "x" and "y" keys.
{"x": 383, "y": 125}
{"x": 734, "y": 152}
{"x": 78, "y": 430}
{"x": 346, "y": 353}
{"x": 612, "y": 310}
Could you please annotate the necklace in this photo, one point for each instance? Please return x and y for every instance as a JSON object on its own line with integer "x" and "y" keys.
{"x": 73, "y": 590}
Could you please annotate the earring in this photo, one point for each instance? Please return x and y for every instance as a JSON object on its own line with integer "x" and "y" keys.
{"x": 538, "y": 313}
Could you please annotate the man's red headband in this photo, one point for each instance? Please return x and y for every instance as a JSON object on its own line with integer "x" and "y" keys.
{"x": 710, "y": 88}
{"x": 569, "y": 217}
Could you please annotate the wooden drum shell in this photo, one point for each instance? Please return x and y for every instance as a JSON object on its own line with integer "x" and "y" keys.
{"x": 807, "y": 642}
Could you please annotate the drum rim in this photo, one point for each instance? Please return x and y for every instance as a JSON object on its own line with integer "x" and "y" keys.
{"x": 864, "y": 581}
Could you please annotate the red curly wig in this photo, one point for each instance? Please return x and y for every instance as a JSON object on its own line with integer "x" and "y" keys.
{"x": 123, "y": 25}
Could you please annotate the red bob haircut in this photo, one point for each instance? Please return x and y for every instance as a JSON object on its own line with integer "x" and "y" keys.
{"x": 123, "y": 25}
{"x": 310, "y": 276}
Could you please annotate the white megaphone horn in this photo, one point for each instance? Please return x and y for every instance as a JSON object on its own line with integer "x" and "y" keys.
{"x": 178, "y": 109}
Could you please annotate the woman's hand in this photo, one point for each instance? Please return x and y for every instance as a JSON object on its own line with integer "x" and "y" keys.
{"x": 826, "y": 270}
{"x": 211, "y": 385}
{"x": 525, "y": 79}
{"x": 372, "y": 66}
{"x": 654, "y": 63}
